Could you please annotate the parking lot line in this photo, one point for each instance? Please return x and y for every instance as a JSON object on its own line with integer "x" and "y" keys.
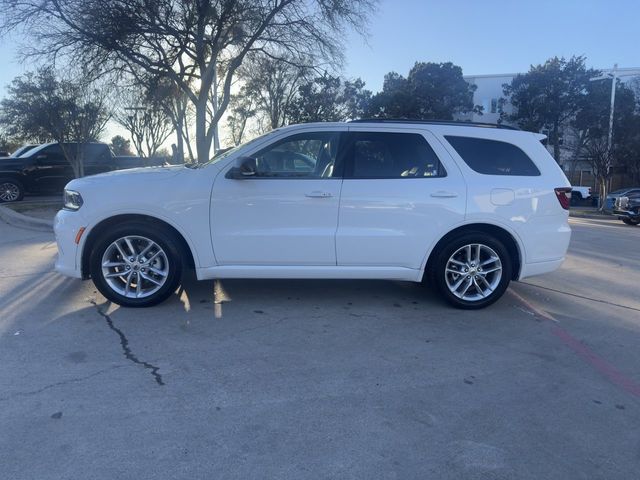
{"x": 601, "y": 365}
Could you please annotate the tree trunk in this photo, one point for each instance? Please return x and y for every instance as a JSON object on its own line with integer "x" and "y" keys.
{"x": 603, "y": 192}
{"x": 203, "y": 144}
{"x": 556, "y": 144}
{"x": 179, "y": 142}
{"x": 214, "y": 102}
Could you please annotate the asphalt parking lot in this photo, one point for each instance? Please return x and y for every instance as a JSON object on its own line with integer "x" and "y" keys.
{"x": 319, "y": 379}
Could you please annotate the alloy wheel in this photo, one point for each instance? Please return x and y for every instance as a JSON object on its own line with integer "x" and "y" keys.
{"x": 473, "y": 272}
{"x": 135, "y": 266}
{"x": 9, "y": 192}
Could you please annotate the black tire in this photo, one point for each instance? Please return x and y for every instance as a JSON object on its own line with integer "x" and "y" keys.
{"x": 438, "y": 272}
{"x": 163, "y": 238}
{"x": 631, "y": 221}
{"x": 576, "y": 198}
{"x": 11, "y": 190}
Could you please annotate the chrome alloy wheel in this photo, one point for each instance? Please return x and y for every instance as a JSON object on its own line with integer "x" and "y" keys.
{"x": 473, "y": 272}
{"x": 135, "y": 266}
{"x": 9, "y": 192}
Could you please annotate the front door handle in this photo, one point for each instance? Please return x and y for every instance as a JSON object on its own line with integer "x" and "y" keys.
{"x": 318, "y": 194}
{"x": 443, "y": 194}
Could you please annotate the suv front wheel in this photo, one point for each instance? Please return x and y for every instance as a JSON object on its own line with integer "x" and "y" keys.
{"x": 10, "y": 190}
{"x": 136, "y": 265}
{"x": 472, "y": 271}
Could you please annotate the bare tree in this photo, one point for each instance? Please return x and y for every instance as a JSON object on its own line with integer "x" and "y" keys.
{"x": 599, "y": 156}
{"x": 273, "y": 85}
{"x": 145, "y": 120}
{"x": 242, "y": 109}
{"x": 197, "y": 44}
{"x": 176, "y": 106}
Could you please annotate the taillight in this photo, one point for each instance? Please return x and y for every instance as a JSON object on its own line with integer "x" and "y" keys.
{"x": 564, "y": 196}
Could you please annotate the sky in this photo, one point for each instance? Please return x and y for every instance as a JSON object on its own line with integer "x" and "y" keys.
{"x": 494, "y": 36}
{"x": 482, "y": 36}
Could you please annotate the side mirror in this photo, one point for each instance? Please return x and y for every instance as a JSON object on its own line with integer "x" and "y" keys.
{"x": 245, "y": 167}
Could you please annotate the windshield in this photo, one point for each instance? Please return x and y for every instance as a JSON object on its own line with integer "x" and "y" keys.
{"x": 22, "y": 150}
{"x": 227, "y": 153}
{"x": 35, "y": 150}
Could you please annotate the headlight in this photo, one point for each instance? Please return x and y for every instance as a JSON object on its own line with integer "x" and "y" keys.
{"x": 72, "y": 200}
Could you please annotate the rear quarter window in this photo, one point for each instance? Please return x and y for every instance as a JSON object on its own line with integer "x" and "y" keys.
{"x": 493, "y": 157}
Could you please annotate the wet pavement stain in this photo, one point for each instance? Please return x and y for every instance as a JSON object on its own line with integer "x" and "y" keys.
{"x": 126, "y": 350}
{"x": 77, "y": 357}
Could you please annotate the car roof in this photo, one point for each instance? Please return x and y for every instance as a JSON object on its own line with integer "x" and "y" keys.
{"x": 472, "y": 129}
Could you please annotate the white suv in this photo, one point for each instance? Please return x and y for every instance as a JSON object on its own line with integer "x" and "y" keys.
{"x": 464, "y": 207}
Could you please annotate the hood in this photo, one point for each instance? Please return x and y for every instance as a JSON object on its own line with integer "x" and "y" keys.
{"x": 123, "y": 176}
{"x": 11, "y": 162}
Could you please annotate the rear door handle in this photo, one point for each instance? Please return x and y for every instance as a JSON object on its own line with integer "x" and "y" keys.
{"x": 443, "y": 194}
{"x": 318, "y": 194}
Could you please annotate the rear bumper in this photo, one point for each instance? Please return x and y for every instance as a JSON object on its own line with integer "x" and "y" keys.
{"x": 538, "y": 268}
{"x": 66, "y": 226}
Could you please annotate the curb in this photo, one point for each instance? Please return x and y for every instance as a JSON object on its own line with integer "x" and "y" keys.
{"x": 24, "y": 221}
{"x": 592, "y": 216}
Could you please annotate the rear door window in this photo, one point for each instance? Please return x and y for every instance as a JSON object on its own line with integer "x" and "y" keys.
{"x": 391, "y": 155}
{"x": 493, "y": 157}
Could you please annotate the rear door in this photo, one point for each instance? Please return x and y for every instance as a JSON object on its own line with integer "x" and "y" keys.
{"x": 401, "y": 192}
{"x": 97, "y": 159}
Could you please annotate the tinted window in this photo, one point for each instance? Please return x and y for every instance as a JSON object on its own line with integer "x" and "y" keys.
{"x": 391, "y": 155}
{"x": 492, "y": 157}
{"x": 53, "y": 150}
{"x": 305, "y": 155}
{"x": 97, "y": 153}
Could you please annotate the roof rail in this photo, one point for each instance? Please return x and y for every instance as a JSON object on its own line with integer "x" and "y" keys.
{"x": 455, "y": 123}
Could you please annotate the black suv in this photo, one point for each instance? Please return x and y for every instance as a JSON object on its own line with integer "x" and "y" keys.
{"x": 44, "y": 169}
{"x": 627, "y": 209}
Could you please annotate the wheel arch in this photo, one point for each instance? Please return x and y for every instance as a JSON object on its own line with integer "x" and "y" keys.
{"x": 507, "y": 238}
{"x": 104, "y": 225}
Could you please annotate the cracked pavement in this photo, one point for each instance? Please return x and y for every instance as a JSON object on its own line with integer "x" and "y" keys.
{"x": 320, "y": 379}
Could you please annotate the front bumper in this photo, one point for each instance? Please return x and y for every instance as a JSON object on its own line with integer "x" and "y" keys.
{"x": 66, "y": 226}
{"x": 626, "y": 214}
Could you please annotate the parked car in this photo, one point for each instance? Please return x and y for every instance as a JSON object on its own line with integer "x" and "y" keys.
{"x": 627, "y": 208}
{"x": 580, "y": 194}
{"x": 44, "y": 168}
{"x": 4, "y": 153}
{"x": 613, "y": 196}
{"x": 462, "y": 207}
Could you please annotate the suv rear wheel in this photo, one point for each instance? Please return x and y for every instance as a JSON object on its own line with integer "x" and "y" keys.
{"x": 472, "y": 271}
{"x": 136, "y": 265}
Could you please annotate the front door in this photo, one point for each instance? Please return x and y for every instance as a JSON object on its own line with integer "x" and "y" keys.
{"x": 51, "y": 170}
{"x": 287, "y": 213}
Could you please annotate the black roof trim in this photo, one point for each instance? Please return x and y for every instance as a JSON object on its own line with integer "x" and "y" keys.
{"x": 435, "y": 122}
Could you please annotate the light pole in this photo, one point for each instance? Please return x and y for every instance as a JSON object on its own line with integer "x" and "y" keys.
{"x": 614, "y": 77}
